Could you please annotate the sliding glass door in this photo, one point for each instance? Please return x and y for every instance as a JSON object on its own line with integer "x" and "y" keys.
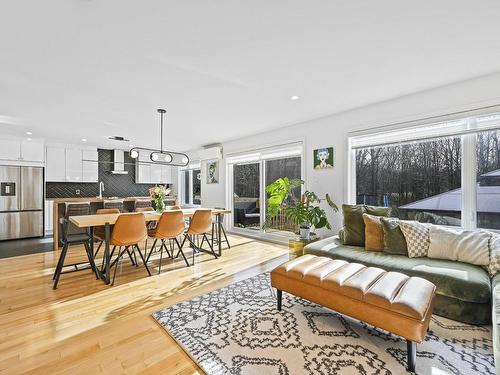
{"x": 249, "y": 174}
{"x": 246, "y": 196}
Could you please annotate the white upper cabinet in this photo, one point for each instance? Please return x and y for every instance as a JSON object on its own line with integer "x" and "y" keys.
{"x": 10, "y": 149}
{"x": 166, "y": 174}
{"x": 73, "y": 165}
{"x": 90, "y": 168}
{"x": 32, "y": 151}
{"x": 55, "y": 166}
{"x": 70, "y": 163}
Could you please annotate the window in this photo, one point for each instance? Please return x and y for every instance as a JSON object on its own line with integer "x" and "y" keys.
{"x": 488, "y": 178}
{"x": 249, "y": 175}
{"x": 419, "y": 180}
{"x": 444, "y": 173}
{"x": 190, "y": 184}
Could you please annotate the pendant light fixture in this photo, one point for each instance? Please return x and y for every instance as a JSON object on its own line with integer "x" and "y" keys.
{"x": 161, "y": 156}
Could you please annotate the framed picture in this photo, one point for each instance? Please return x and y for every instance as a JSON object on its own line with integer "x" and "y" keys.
{"x": 213, "y": 172}
{"x": 323, "y": 158}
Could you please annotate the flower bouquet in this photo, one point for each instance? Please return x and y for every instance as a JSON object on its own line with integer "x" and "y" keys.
{"x": 158, "y": 195}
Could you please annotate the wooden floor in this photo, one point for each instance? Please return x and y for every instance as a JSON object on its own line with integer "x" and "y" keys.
{"x": 87, "y": 327}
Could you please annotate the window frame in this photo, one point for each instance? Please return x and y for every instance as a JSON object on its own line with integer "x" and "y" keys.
{"x": 180, "y": 179}
{"x": 467, "y": 132}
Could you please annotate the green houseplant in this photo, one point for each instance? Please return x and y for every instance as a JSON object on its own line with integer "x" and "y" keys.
{"x": 305, "y": 211}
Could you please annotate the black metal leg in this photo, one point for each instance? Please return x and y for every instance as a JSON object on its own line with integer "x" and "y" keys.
{"x": 181, "y": 252}
{"x": 164, "y": 246}
{"x": 219, "y": 239}
{"x": 161, "y": 256}
{"x": 98, "y": 248}
{"x": 210, "y": 245}
{"x": 279, "y": 297}
{"x": 143, "y": 260}
{"x": 58, "y": 264}
{"x": 130, "y": 255}
{"x": 120, "y": 254}
{"x": 411, "y": 348}
{"x": 225, "y": 236}
{"x": 90, "y": 257}
{"x": 184, "y": 240}
{"x": 153, "y": 247}
{"x": 107, "y": 259}
{"x": 57, "y": 274}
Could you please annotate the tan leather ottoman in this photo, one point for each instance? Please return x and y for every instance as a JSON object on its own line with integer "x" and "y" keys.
{"x": 389, "y": 300}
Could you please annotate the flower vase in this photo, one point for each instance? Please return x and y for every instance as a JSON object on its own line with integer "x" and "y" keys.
{"x": 159, "y": 205}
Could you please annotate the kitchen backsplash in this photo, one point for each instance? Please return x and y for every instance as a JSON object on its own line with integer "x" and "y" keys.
{"x": 115, "y": 185}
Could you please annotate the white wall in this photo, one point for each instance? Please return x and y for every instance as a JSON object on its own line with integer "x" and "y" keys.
{"x": 333, "y": 131}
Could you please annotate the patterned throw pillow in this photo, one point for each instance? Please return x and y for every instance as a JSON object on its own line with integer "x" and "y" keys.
{"x": 417, "y": 238}
{"x": 494, "y": 266}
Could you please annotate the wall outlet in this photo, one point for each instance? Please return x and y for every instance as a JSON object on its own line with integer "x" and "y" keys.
{"x": 77, "y": 191}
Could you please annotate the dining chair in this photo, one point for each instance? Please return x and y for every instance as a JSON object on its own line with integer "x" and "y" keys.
{"x": 200, "y": 225}
{"x": 99, "y": 231}
{"x": 72, "y": 235}
{"x": 170, "y": 226}
{"x": 128, "y": 232}
{"x": 113, "y": 203}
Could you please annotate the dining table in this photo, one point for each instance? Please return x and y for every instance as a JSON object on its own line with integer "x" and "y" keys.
{"x": 107, "y": 220}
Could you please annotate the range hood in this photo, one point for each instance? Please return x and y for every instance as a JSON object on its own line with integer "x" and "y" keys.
{"x": 119, "y": 162}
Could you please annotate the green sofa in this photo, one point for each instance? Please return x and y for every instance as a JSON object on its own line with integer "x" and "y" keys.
{"x": 464, "y": 292}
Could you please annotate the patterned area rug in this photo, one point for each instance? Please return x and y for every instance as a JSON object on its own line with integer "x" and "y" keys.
{"x": 237, "y": 330}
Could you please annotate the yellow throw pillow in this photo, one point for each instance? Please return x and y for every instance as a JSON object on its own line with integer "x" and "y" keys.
{"x": 374, "y": 233}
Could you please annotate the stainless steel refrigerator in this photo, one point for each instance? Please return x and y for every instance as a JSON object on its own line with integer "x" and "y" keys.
{"x": 21, "y": 202}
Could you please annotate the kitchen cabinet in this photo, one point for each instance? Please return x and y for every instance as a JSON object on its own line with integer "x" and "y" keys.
{"x": 55, "y": 165}
{"x": 22, "y": 150}
{"x": 32, "y": 151}
{"x": 70, "y": 163}
{"x": 73, "y": 165}
{"x": 146, "y": 173}
{"x": 90, "y": 167}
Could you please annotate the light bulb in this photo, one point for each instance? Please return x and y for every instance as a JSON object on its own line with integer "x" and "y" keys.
{"x": 154, "y": 156}
{"x": 168, "y": 158}
{"x": 134, "y": 154}
{"x": 185, "y": 160}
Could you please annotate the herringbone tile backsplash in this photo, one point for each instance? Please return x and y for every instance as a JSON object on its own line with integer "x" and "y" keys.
{"x": 115, "y": 185}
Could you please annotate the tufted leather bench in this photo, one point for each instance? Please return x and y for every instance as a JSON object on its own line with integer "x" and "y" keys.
{"x": 389, "y": 300}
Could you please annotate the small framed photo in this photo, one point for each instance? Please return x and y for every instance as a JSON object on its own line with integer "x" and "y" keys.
{"x": 323, "y": 158}
{"x": 213, "y": 172}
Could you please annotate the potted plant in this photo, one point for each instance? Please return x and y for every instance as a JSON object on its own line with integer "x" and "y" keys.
{"x": 158, "y": 195}
{"x": 304, "y": 211}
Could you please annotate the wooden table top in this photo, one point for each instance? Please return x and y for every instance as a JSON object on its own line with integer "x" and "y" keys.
{"x": 85, "y": 221}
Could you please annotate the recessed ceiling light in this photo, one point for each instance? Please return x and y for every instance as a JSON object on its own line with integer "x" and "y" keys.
{"x": 29, "y": 133}
{"x": 294, "y": 97}
{"x": 84, "y": 139}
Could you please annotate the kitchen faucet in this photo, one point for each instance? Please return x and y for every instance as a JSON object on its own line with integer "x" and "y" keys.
{"x": 101, "y": 188}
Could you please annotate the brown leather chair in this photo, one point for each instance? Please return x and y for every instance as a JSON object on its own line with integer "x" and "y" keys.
{"x": 98, "y": 232}
{"x": 170, "y": 226}
{"x": 128, "y": 232}
{"x": 200, "y": 225}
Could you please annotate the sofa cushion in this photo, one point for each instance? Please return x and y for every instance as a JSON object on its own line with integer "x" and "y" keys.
{"x": 495, "y": 299}
{"x": 416, "y": 236}
{"x": 394, "y": 240}
{"x": 354, "y": 226}
{"x": 459, "y": 245}
{"x": 458, "y": 280}
{"x": 374, "y": 234}
{"x": 494, "y": 265}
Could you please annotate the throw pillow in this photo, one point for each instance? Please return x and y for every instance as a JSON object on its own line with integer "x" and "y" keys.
{"x": 354, "y": 226}
{"x": 394, "y": 240}
{"x": 460, "y": 245}
{"x": 494, "y": 266}
{"x": 374, "y": 234}
{"x": 417, "y": 238}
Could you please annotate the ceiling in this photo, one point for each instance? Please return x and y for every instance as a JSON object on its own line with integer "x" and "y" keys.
{"x": 72, "y": 69}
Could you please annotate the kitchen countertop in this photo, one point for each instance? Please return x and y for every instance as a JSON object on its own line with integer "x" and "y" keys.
{"x": 97, "y": 200}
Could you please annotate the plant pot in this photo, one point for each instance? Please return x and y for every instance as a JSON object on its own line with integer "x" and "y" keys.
{"x": 305, "y": 233}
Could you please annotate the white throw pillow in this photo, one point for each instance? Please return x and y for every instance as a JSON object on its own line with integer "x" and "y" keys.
{"x": 494, "y": 266}
{"x": 416, "y": 236}
{"x": 460, "y": 245}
